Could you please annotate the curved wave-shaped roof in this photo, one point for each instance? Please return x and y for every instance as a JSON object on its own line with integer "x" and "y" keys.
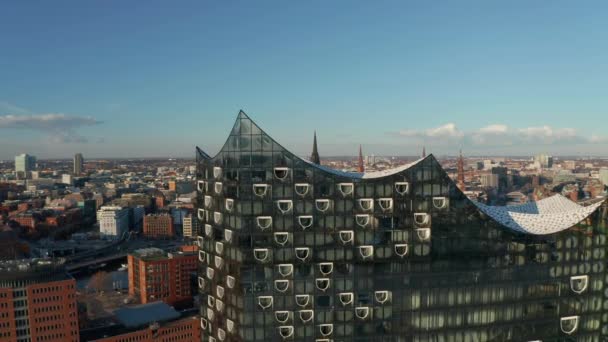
{"x": 547, "y": 216}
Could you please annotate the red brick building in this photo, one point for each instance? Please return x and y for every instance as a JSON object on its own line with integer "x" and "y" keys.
{"x": 158, "y": 226}
{"x": 156, "y": 275}
{"x": 37, "y": 303}
{"x": 184, "y": 330}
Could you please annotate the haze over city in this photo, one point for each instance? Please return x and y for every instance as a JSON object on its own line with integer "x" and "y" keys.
{"x": 123, "y": 79}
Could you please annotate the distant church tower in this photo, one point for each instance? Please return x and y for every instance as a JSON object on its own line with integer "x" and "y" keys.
{"x": 423, "y": 151}
{"x": 361, "y": 166}
{"x": 314, "y": 157}
{"x": 460, "y": 182}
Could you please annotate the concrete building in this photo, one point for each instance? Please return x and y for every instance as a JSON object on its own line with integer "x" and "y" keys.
{"x": 545, "y": 161}
{"x": 37, "y": 303}
{"x": 66, "y": 178}
{"x": 113, "y": 221}
{"x": 78, "y": 164}
{"x": 150, "y": 323}
{"x": 158, "y": 226}
{"x": 489, "y": 180}
{"x": 156, "y": 275}
{"x": 181, "y": 187}
{"x": 24, "y": 164}
{"x": 190, "y": 226}
{"x": 604, "y": 176}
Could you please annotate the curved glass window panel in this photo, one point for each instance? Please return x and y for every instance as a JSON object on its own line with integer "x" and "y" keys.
{"x": 282, "y": 316}
{"x": 217, "y": 172}
{"x": 402, "y": 188}
{"x": 423, "y": 234}
{"x": 322, "y": 205}
{"x": 346, "y": 188}
{"x": 230, "y": 282}
{"x": 281, "y": 173}
{"x": 201, "y": 186}
{"x": 260, "y": 190}
{"x": 217, "y": 217}
{"x": 208, "y": 200}
{"x": 366, "y": 204}
{"x": 210, "y": 273}
{"x": 362, "y": 312}
{"x": 569, "y": 324}
{"x": 305, "y": 221}
{"x": 385, "y": 204}
{"x": 302, "y": 253}
{"x": 286, "y": 331}
{"x": 210, "y": 301}
{"x": 228, "y": 235}
{"x": 208, "y": 230}
{"x": 323, "y": 283}
{"x": 382, "y": 297}
{"x": 201, "y": 256}
{"x": 346, "y": 298}
{"x": 219, "y": 305}
{"x": 306, "y": 315}
{"x": 281, "y": 285}
{"x": 440, "y": 202}
{"x": 229, "y": 204}
{"x": 302, "y": 300}
{"x": 285, "y": 270}
{"x": 326, "y": 268}
{"x": 221, "y": 334}
{"x": 302, "y": 188}
{"x": 201, "y": 214}
{"x": 201, "y": 283}
{"x": 579, "y": 284}
{"x": 366, "y": 252}
{"x": 261, "y": 254}
{"x": 217, "y": 187}
{"x": 281, "y": 238}
{"x": 265, "y": 302}
{"x": 401, "y": 249}
{"x": 204, "y": 323}
{"x": 218, "y": 262}
{"x": 285, "y": 206}
{"x": 326, "y": 329}
{"x": 230, "y": 326}
{"x": 210, "y": 314}
{"x": 264, "y": 222}
{"x": 362, "y": 220}
{"x": 219, "y": 291}
{"x": 346, "y": 236}
{"x": 422, "y": 219}
{"x": 219, "y": 248}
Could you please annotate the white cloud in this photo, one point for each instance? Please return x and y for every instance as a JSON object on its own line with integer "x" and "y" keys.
{"x": 61, "y": 128}
{"x": 500, "y": 135}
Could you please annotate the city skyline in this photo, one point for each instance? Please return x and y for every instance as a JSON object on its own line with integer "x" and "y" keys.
{"x": 491, "y": 79}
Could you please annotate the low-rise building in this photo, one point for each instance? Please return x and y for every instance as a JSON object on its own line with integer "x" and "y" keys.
{"x": 113, "y": 221}
{"x": 158, "y": 226}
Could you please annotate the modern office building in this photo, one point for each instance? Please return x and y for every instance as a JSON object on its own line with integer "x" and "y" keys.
{"x": 489, "y": 180}
{"x": 113, "y": 221}
{"x": 37, "y": 302}
{"x": 603, "y": 174}
{"x": 158, "y": 226}
{"x": 190, "y": 226}
{"x": 25, "y": 163}
{"x": 155, "y": 275}
{"x": 78, "y": 164}
{"x": 291, "y": 250}
{"x": 545, "y": 161}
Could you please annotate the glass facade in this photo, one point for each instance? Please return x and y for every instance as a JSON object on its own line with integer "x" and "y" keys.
{"x": 293, "y": 251}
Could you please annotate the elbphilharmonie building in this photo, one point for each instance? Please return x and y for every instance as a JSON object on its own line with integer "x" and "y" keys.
{"x": 291, "y": 250}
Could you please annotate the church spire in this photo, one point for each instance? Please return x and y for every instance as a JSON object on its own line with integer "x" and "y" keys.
{"x": 423, "y": 151}
{"x": 314, "y": 157}
{"x": 460, "y": 166}
{"x": 361, "y": 166}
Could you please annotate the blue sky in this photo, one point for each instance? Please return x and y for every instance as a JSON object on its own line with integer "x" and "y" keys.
{"x": 135, "y": 79}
